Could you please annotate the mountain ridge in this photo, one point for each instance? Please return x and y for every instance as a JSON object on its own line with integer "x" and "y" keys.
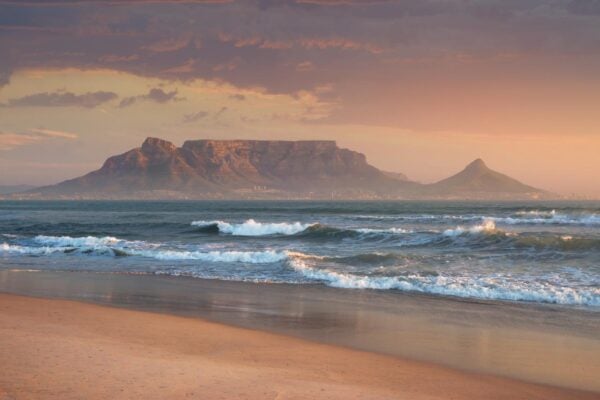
{"x": 267, "y": 169}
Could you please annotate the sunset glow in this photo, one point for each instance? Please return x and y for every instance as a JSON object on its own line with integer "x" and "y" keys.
{"x": 421, "y": 88}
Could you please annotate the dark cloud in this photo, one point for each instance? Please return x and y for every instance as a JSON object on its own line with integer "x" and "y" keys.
{"x": 128, "y": 101}
{"x": 584, "y": 7}
{"x": 361, "y": 49}
{"x": 4, "y": 77}
{"x": 221, "y": 111}
{"x": 156, "y": 94}
{"x": 115, "y": 2}
{"x": 237, "y": 96}
{"x": 63, "y": 99}
{"x": 188, "y": 118}
{"x": 160, "y": 96}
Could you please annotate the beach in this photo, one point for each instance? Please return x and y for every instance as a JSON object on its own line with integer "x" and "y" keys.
{"x": 162, "y": 337}
{"x": 299, "y": 300}
{"x": 66, "y": 350}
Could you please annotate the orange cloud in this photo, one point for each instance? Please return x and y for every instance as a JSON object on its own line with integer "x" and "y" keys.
{"x": 11, "y": 140}
{"x": 339, "y": 43}
{"x": 304, "y": 42}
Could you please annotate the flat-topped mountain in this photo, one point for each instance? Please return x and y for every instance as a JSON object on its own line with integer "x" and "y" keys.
{"x": 213, "y": 169}
{"x": 231, "y": 169}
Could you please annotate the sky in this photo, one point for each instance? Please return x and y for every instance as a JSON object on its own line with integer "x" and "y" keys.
{"x": 421, "y": 87}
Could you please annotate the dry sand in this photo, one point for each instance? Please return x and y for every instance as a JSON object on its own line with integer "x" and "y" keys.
{"x": 56, "y": 349}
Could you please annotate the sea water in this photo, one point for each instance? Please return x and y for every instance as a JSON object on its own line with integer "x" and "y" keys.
{"x": 506, "y": 251}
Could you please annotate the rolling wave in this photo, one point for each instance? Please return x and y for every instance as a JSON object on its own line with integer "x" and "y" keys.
{"x": 487, "y": 227}
{"x": 249, "y": 257}
{"x": 488, "y": 234}
{"x": 483, "y": 235}
{"x": 489, "y": 288}
{"x": 320, "y": 231}
{"x": 350, "y": 271}
{"x": 251, "y": 228}
{"x": 530, "y": 217}
{"x": 314, "y": 231}
{"x": 112, "y": 246}
{"x": 549, "y": 218}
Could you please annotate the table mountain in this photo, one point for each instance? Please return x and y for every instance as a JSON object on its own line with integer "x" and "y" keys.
{"x": 231, "y": 169}
{"x": 268, "y": 169}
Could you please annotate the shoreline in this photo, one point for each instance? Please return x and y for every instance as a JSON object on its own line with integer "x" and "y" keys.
{"x": 67, "y": 349}
{"x": 534, "y": 343}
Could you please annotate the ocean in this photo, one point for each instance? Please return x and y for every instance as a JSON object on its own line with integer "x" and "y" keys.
{"x": 505, "y": 251}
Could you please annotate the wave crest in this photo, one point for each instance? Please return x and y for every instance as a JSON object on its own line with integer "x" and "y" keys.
{"x": 112, "y": 246}
{"x": 488, "y": 226}
{"x": 488, "y": 288}
{"x": 251, "y": 228}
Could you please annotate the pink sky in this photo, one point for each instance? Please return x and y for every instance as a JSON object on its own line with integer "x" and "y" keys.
{"x": 422, "y": 87}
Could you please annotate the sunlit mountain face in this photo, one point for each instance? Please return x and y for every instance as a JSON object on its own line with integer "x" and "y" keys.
{"x": 419, "y": 87}
{"x": 267, "y": 170}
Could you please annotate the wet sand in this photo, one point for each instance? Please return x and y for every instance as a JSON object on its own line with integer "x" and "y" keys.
{"x": 544, "y": 344}
{"x": 67, "y": 350}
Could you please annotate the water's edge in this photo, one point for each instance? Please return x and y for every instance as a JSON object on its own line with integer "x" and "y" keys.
{"x": 524, "y": 341}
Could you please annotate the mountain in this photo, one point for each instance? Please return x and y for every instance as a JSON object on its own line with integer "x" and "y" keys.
{"x": 397, "y": 175}
{"x": 480, "y": 182}
{"x": 231, "y": 169}
{"x": 267, "y": 169}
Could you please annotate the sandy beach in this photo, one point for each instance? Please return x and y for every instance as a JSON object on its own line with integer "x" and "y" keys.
{"x": 67, "y": 350}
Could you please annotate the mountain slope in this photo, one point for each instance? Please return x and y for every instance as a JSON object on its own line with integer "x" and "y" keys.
{"x": 230, "y": 168}
{"x": 479, "y": 181}
{"x": 268, "y": 169}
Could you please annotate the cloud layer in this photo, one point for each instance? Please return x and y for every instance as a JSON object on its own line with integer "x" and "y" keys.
{"x": 155, "y": 94}
{"x": 12, "y": 140}
{"x": 63, "y": 99}
{"x": 470, "y": 73}
{"x": 400, "y": 55}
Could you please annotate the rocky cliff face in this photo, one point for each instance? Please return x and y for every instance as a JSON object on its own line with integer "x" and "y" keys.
{"x": 231, "y": 168}
{"x": 268, "y": 169}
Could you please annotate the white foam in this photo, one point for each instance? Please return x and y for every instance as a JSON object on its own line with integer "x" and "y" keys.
{"x": 537, "y": 213}
{"x": 68, "y": 241}
{"x": 254, "y": 228}
{"x": 106, "y": 245}
{"x": 383, "y": 230}
{"x": 490, "y": 288}
{"x": 487, "y": 226}
{"x": 250, "y": 257}
{"x": 16, "y": 249}
{"x": 551, "y": 218}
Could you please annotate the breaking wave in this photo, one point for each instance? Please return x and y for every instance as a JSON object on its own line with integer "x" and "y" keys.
{"x": 487, "y": 233}
{"x": 251, "y": 228}
{"x": 529, "y": 217}
{"x": 536, "y": 217}
{"x": 488, "y": 226}
{"x": 488, "y": 288}
{"x": 250, "y": 257}
{"x": 86, "y": 241}
{"x": 112, "y": 246}
{"x": 354, "y": 271}
{"x": 316, "y": 230}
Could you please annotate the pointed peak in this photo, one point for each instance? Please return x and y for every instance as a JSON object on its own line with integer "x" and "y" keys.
{"x": 476, "y": 165}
